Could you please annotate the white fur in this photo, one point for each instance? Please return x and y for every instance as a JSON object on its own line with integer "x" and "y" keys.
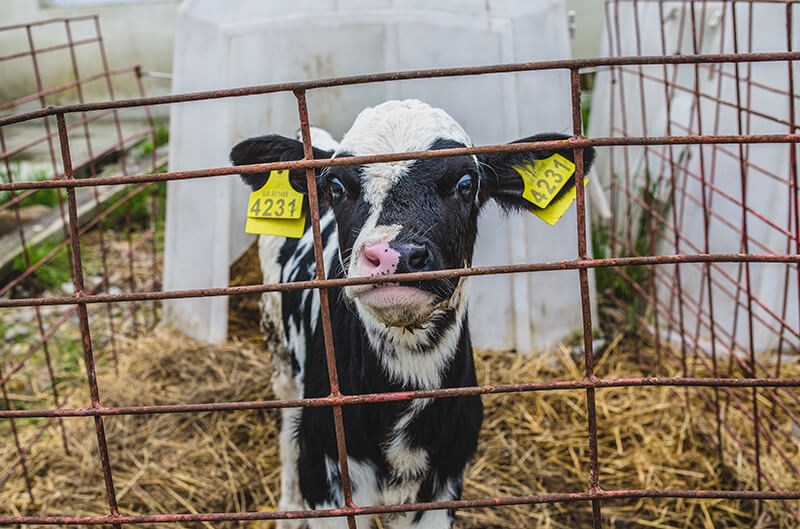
{"x": 400, "y": 126}
{"x": 270, "y": 302}
{"x": 365, "y": 490}
{"x": 291, "y": 498}
{"x": 409, "y": 363}
{"x": 412, "y": 362}
{"x": 305, "y": 245}
{"x": 320, "y": 138}
{"x": 406, "y": 462}
{"x": 284, "y": 384}
{"x": 329, "y": 253}
{"x": 438, "y": 519}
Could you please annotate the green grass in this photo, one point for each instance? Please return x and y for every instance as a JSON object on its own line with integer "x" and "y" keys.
{"x": 621, "y": 282}
{"x": 68, "y": 368}
{"x": 42, "y": 197}
{"x": 140, "y": 208}
{"x": 56, "y": 271}
{"x": 141, "y": 203}
{"x": 162, "y": 138}
{"x": 51, "y": 274}
{"x": 586, "y": 112}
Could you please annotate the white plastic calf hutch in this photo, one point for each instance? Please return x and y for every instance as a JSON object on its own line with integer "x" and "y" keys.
{"x": 241, "y": 42}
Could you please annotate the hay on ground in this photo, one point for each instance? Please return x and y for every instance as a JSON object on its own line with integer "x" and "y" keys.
{"x": 531, "y": 443}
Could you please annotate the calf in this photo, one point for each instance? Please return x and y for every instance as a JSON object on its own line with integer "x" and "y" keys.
{"x": 377, "y": 219}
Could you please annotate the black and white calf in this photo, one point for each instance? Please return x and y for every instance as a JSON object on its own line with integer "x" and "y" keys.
{"x": 383, "y": 218}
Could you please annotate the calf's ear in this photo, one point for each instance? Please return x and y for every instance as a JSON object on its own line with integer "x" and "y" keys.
{"x": 505, "y": 185}
{"x": 273, "y": 148}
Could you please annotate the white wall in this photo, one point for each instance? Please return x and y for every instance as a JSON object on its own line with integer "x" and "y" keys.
{"x": 142, "y": 32}
{"x": 589, "y": 21}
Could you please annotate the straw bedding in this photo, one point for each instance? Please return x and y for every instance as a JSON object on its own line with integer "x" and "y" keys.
{"x": 531, "y": 443}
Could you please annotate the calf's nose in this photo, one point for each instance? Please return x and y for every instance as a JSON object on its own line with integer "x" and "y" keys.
{"x": 413, "y": 257}
{"x": 378, "y": 259}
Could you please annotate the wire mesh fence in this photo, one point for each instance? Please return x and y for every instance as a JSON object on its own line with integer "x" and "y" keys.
{"x": 731, "y": 320}
{"x": 35, "y": 248}
{"x": 666, "y": 271}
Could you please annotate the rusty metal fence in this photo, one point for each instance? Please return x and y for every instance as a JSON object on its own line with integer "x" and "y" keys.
{"x": 667, "y": 253}
{"x": 39, "y": 242}
{"x": 731, "y": 320}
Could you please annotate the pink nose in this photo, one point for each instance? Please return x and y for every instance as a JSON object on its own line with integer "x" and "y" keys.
{"x": 378, "y": 259}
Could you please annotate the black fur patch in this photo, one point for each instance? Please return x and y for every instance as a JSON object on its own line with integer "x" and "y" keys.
{"x": 272, "y": 148}
{"x": 505, "y": 185}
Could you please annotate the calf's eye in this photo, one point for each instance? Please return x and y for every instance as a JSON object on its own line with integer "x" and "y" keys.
{"x": 464, "y": 187}
{"x": 337, "y": 188}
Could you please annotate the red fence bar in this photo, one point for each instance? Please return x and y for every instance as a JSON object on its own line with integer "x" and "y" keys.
{"x": 327, "y": 329}
{"x": 577, "y": 264}
{"x": 420, "y": 155}
{"x": 66, "y": 86}
{"x": 46, "y": 22}
{"x": 83, "y": 316}
{"x": 566, "y": 64}
{"x": 586, "y": 303}
{"x": 408, "y": 507}
{"x": 344, "y": 400}
{"x": 55, "y": 47}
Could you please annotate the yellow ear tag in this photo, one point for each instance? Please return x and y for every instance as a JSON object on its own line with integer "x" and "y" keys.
{"x": 276, "y": 208}
{"x": 557, "y": 208}
{"x": 543, "y": 179}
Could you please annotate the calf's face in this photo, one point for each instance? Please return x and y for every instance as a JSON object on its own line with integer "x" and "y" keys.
{"x": 407, "y": 216}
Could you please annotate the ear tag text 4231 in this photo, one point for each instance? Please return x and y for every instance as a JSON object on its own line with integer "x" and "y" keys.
{"x": 276, "y": 208}
{"x": 543, "y": 179}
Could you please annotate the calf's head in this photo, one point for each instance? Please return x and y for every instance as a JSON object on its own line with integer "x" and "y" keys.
{"x": 406, "y": 216}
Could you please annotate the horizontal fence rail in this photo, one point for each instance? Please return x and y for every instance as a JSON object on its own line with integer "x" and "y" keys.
{"x": 562, "y": 64}
{"x": 578, "y": 264}
{"x": 410, "y": 395}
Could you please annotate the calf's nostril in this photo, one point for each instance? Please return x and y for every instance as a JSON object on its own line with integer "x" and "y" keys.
{"x": 418, "y": 258}
{"x": 373, "y": 256}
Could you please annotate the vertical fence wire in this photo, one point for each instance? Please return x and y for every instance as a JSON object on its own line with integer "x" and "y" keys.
{"x": 93, "y": 172}
{"x": 83, "y": 316}
{"x": 750, "y": 310}
{"x": 586, "y": 302}
{"x": 327, "y": 328}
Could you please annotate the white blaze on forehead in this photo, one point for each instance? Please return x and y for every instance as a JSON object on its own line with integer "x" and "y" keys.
{"x": 391, "y": 127}
{"x": 399, "y": 126}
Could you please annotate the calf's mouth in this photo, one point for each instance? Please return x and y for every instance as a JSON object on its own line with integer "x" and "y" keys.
{"x": 395, "y": 305}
